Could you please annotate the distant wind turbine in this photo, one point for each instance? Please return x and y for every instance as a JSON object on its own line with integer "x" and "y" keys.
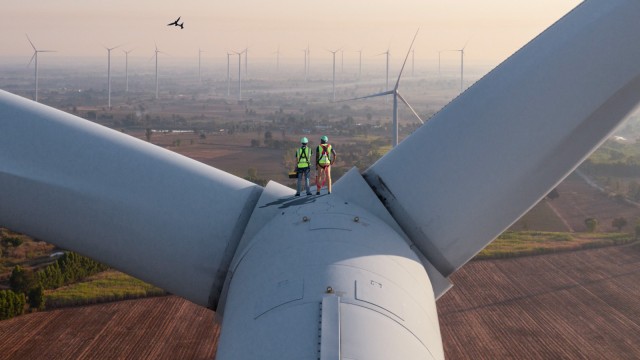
{"x": 360, "y": 64}
{"x": 156, "y": 56}
{"x": 228, "y": 74}
{"x": 239, "y": 73}
{"x": 461, "y": 65}
{"x": 126, "y": 69}
{"x": 396, "y": 96}
{"x": 200, "y": 65}
{"x": 306, "y": 62}
{"x": 246, "y": 62}
{"x": 109, "y": 73}
{"x": 387, "y": 53}
{"x": 35, "y": 56}
{"x": 334, "y": 73}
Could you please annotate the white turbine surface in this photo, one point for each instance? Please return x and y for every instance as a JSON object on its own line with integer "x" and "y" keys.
{"x": 137, "y": 207}
{"x": 496, "y": 150}
{"x": 354, "y": 274}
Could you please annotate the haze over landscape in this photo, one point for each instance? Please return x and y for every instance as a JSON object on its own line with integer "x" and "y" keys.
{"x": 493, "y": 29}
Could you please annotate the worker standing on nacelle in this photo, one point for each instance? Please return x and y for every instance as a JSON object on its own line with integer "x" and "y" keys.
{"x": 325, "y": 157}
{"x": 303, "y": 165}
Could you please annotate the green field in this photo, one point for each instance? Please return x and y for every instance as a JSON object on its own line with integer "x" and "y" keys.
{"x": 512, "y": 244}
{"x": 107, "y": 286}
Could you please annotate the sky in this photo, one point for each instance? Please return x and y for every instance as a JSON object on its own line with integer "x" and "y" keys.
{"x": 491, "y": 29}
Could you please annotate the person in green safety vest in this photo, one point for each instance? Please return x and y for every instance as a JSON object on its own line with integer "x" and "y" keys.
{"x": 303, "y": 165}
{"x": 325, "y": 157}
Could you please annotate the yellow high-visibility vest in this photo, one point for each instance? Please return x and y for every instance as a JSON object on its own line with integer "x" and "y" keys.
{"x": 303, "y": 154}
{"x": 325, "y": 154}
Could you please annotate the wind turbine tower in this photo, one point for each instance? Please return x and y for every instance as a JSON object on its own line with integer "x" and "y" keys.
{"x": 200, "y": 65}
{"x": 228, "y": 75}
{"x": 126, "y": 69}
{"x": 246, "y": 62}
{"x": 156, "y": 55}
{"x": 240, "y": 74}
{"x": 109, "y": 73}
{"x": 360, "y": 64}
{"x": 334, "y": 73}
{"x": 35, "y": 56}
{"x": 386, "y": 87}
{"x": 461, "y": 66}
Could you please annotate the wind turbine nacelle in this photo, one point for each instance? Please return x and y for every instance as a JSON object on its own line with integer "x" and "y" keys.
{"x": 323, "y": 278}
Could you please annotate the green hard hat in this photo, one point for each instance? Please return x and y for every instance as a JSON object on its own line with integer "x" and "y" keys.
{"x": 324, "y": 138}
{"x": 304, "y": 140}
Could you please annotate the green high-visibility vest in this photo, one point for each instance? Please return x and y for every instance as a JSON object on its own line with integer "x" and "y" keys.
{"x": 325, "y": 151}
{"x": 303, "y": 154}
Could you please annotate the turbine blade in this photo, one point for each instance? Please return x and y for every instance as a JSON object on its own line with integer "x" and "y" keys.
{"x": 164, "y": 218}
{"x": 501, "y": 146}
{"x": 389, "y": 92}
{"x": 405, "y": 60}
{"x": 31, "y": 42}
{"x": 32, "y": 57}
{"x": 409, "y": 106}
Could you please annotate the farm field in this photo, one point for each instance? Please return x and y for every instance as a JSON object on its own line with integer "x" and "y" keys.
{"x": 155, "y": 328}
{"x": 573, "y": 305}
{"x": 576, "y": 305}
{"x": 577, "y": 202}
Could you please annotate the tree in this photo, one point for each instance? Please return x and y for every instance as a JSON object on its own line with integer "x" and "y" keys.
{"x": 148, "y": 133}
{"x": 36, "y": 297}
{"x": 255, "y": 143}
{"x": 619, "y": 223}
{"x": 591, "y": 224}
{"x": 268, "y": 136}
{"x": 637, "y": 230}
{"x": 20, "y": 280}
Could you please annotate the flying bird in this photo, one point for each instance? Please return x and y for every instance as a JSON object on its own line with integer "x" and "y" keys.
{"x": 175, "y": 23}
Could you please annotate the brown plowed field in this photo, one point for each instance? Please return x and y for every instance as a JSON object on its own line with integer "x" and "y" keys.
{"x": 154, "y": 328}
{"x": 576, "y": 305}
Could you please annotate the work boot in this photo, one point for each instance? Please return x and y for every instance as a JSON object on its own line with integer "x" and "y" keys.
{"x": 317, "y": 192}
{"x": 309, "y": 193}
{"x": 297, "y": 194}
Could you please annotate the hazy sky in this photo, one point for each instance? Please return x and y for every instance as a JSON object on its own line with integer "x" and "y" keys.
{"x": 494, "y": 29}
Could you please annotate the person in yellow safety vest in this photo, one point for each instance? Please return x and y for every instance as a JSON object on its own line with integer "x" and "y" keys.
{"x": 303, "y": 165}
{"x": 325, "y": 157}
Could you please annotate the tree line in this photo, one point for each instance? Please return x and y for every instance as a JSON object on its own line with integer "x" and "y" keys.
{"x": 27, "y": 287}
